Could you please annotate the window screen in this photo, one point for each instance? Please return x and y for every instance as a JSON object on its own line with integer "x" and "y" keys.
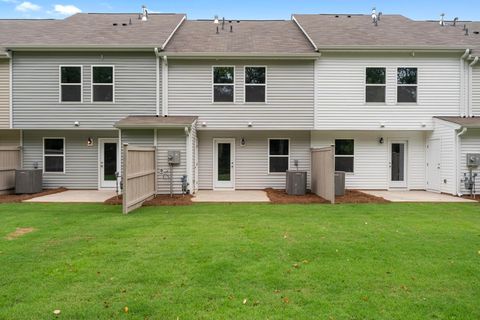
{"x": 344, "y": 155}
{"x": 255, "y": 84}
{"x": 223, "y": 84}
{"x": 102, "y": 84}
{"x": 279, "y": 155}
{"x": 54, "y": 154}
{"x": 407, "y": 85}
{"x": 375, "y": 84}
{"x": 70, "y": 84}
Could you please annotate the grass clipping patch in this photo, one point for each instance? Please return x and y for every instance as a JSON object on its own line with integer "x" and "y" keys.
{"x": 18, "y": 233}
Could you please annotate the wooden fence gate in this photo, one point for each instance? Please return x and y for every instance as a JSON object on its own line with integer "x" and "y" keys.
{"x": 10, "y": 159}
{"x": 139, "y": 176}
{"x": 323, "y": 173}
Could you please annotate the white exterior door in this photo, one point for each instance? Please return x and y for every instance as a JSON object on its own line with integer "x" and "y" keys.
{"x": 224, "y": 164}
{"x": 433, "y": 165}
{"x": 108, "y": 162}
{"x": 398, "y": 164}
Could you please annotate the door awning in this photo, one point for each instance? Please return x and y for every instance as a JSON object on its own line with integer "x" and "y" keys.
{"x": 154, "y": 122}
{"x": 466, "y": 122}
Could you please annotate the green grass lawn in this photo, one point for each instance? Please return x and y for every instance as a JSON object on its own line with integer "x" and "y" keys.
{"x": 391, "y": 261}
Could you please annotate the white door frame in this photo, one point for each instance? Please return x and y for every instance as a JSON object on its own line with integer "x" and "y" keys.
{"x": 217, "y": 185}
{"x": 436, "y": 163}
{"x": 101, "y": 142}
{"x": 398, "y": 184}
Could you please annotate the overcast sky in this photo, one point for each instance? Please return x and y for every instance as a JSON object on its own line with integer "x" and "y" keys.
{"x": 243, "y": 9}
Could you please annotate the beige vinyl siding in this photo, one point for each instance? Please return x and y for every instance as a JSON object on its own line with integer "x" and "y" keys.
{"x": 174, "y": 139}
{"x": 251, "y": 161}
{"x": 167, "y": 139}
{"x": 470, "y": 143}
{"x": 4, "y": 93}
{"x": 371, "y": 159}
{"x": 81, "y": 161}
{"x": 476, "y": 91}
{"x": 446, "y": 133}
{"x": 36, "y": 89}
{"x": 340, "y": 87}
{"x": 9, "y": 138}
{"x": 289, "y": 95}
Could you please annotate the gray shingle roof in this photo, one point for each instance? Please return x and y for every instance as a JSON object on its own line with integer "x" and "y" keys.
{"x": 248, "y": 37}
{"x": 393, "y": 31}
{"x": 470, "y": 122}
{"x": 90, "y": 29}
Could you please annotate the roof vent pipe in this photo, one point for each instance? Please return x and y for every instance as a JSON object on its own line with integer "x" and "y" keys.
{"x": 442, "y": 19}
{"x": 466, "y": 32}
{"x": 223, "y": 23}
{"x": 455, "y": 21}
{"x": 231, "y": 28}
{"x": 374, "y": 17}
{"x": 379, "y": 15}
{"x": 144, "y": 13}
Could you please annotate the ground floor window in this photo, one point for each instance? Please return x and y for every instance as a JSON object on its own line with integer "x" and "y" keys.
{"x": 344, "y": 155}
{"x": 54, "y": 155}
{"x": 278, "y": 155}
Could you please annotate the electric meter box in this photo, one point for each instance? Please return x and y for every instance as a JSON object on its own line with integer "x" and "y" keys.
{"x": 473, "y": 159}
{"x": 173, "y": 157}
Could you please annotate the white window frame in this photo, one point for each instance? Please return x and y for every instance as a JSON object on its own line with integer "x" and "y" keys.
{"x": 54, "y": 155}
{"x": 60, "y": 84}
{"x": 223, "y": 84}
{"x": 405, "y": 85}
{"x": 343, "y": 155}
{"x": 278, "y": 156}
{"x": 102, "y": 84}
{"x": 374, "y": 85}
{"x": 254, "y": 84}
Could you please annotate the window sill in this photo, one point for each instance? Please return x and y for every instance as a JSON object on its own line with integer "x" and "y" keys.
{"x": 381, "y": 104}
{"x": 54, "y": 173}
{"x": 224, "y": 103}
{"x": 406, "y": 104}
{"x": 254, "y": 103}
{"x": 277, "y": 173}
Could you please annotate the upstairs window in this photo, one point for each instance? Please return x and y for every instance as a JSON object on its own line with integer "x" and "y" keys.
{"x": 54, "y": 155}
{"x": 223, "y": 84}
{"x": 102, "y": 84}
{"x": 344, "y": 155}
{"x": 375, "y": 85}
{"x": 70, "y": 83}
{"x": 278, "y": 155}
{"x": 255, "y": 84}
{"x": 407, "y": 85}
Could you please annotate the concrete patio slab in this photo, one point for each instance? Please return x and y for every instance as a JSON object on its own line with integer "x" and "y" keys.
{"x": 81, "y": 196}
{"x": 415, "y": 196}
{"x": 231, "y": 196}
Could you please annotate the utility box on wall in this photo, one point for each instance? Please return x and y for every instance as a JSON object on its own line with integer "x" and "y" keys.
{"x": 473, "y": 160}
{"x": 173, "y": 157}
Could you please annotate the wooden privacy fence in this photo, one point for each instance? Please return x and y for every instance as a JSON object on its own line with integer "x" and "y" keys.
{"x": 323, "y": 173}
{"x": 139, "y": 176}
{"x": 10, "y": 159}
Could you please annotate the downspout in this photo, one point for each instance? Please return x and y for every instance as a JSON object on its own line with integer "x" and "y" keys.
{"x": 457, "y": 151}
{"x": 165, "y": 86}
{"x": 188, "y": 144}
{"x": 463, "y": 98}
{"x": 10, "y": 87}
{"x": 157, "y": 78}
{"x": 470, "y": 86}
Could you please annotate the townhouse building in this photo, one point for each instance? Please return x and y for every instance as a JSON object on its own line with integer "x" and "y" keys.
{"x": 243, "y": 101}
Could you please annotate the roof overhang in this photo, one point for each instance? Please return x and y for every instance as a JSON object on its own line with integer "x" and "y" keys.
{"x": 400, "y": 48}
{"x": 154, "y": 122}
{"x": 228, "y": 55}
{"x": 462, "y": 122}
{"x": 81, "y": 48}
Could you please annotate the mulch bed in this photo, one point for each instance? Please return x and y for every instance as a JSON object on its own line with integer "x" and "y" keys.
{"x": 477, "y": 197}
{"x": 159, "y": 200}
{"x": 12, "y": 198}
{"x": 351, "y": 196}
{"x": 281, "y": 197}
{"x": 355, "y": 196}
